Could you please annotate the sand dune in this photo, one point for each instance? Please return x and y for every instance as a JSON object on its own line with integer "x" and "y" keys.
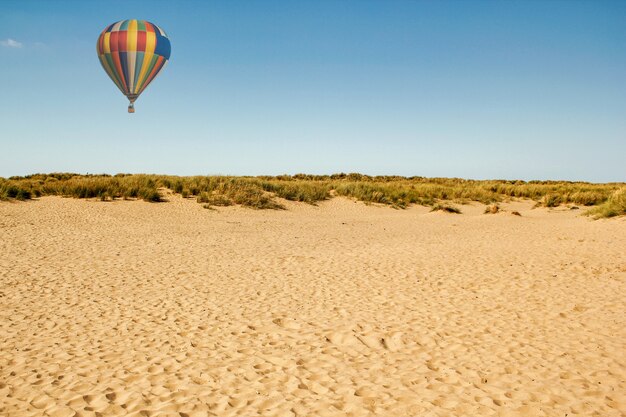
{"x": 132, "y": 308}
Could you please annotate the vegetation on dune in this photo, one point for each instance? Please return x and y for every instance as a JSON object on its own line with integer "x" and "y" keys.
{"x": 222, "y": 191}
{"x": 445, "y": 208}
{"x": 262, "y": 192}
{"x": 214, "y": 200}
{"x": 615, "y": 205}
{"x": 492, "y": 209}
{"x": 104, "y": 187}
{"x": 308, "y": 191}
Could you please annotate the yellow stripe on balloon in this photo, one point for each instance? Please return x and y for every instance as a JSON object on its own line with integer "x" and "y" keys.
{"x": 150, "y": 42}
{"x": 145, "y": 67}
{"x": 147, "y": 59}
{"x": 106, "y": 43}
{"x": 131, "y": 37}
{"x": 131, "y": 56}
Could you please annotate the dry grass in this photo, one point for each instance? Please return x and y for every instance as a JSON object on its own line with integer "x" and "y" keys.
{"x": 262, "y": 192}
{"x": 492, "y": 209}
{"x": 214, "y": 199}
{"x": 445, "y": 208}
{"x": 104, "y": 187}
{"x": 614, "y": 206}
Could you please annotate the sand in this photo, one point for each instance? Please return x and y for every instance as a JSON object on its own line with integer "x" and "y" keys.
{"x": 169, "y": 309}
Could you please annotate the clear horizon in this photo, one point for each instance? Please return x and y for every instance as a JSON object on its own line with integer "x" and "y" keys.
{"x": 481, "y": 90}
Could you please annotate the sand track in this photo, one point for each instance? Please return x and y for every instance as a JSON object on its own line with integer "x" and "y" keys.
{"x": 132, "y": 308}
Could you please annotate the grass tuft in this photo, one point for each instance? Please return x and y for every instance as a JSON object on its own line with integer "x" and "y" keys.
{"x": 445, "y": 208}
{"x": 551, "y": 200}
{"x": 492, "y": 209}
{"x": 614, "y": 206}
{"x": 214, "y": 199}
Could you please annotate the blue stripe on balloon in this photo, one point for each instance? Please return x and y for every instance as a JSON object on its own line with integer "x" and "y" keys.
{"x": 163, "y": 46}
{"x": 124, "y": 62}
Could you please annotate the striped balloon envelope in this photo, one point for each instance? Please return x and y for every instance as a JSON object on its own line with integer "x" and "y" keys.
{"x": 133, "y": 52}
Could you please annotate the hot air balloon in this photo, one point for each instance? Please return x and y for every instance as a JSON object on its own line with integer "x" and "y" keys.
{"x": 133, "y": 52}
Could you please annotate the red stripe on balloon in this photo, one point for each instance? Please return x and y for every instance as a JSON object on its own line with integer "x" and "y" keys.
{"x": 141, "y": 41}
{"x": 113, "y": 41}
{"x": 118, "y": 69}
{"x": 121, "y": 41}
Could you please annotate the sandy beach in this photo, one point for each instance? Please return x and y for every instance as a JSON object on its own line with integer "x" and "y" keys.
{"x": 340, "y": 309}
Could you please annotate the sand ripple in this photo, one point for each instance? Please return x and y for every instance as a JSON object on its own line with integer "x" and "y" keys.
{"x": 131, "y": 308}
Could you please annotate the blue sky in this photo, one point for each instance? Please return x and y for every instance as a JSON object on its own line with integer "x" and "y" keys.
{"x": 473, "y": 89}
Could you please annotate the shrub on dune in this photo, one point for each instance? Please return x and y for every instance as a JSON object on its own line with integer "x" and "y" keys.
{"x": 551, "y": 200}
{"x": 150, "y": 194}
{"x": 614, "y": 206}
{"x": 305, "y": 191}
{"x": 214, "y": 199}
{"x": 261, "y": 192}
{"x": 255, "y": 199}
{"x": 445, "y": 208}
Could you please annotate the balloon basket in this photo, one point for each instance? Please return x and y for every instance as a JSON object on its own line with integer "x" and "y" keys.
{"x": 131, "y": 108}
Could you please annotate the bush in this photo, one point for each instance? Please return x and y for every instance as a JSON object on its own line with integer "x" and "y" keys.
{"x": 261, "y": 192}
{"x": 445, "y": 208}
{"x": 214, "y": 199}
{"x": 551, "y": 200}
{"x": 149, "y": 194}
{"x": 614, "y": 206}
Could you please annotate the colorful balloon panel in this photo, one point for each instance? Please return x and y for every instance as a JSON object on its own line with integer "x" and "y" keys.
{"x": 133, "y": 52}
